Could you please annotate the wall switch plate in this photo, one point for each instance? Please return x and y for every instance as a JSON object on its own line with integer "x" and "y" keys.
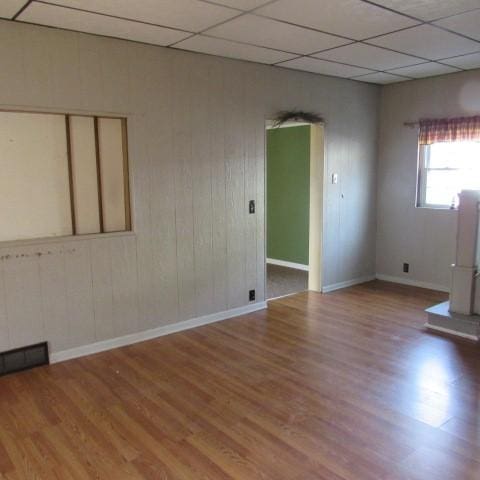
{"x": 334, "y": 178}
{"x": 251, "y": 206}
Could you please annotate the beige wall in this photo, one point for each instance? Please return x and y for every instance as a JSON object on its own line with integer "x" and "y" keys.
{"x": 425, "y": 238}
{"x": 196, "y": 144}
{"x": 33, "y": 176}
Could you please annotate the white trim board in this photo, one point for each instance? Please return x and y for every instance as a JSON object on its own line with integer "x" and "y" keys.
{"x": 283, "y": 263}
{"x": 428, "y": 326}
{"x": 347, "y": 283}
{"x": 412, "y": 282}
{"x": 286, "y": 295}
{"x": 153, "y": 333}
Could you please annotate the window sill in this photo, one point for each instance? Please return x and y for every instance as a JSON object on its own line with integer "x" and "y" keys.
{"x": 432, "y": 207}
{"x": 63, "y": 239}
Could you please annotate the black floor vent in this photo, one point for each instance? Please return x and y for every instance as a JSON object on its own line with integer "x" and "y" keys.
{"x": 24, "y": 358}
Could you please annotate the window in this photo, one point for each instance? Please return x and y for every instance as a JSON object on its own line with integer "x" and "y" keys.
{"x": 448, "y": 160}
{"x": 62, "y": 175}
{"x": 445, "y": 169}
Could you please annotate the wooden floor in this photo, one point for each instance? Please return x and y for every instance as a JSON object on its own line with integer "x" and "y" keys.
{"x": 346, "y": 385}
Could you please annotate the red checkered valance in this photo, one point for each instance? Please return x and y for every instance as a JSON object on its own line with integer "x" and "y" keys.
{"x": 460, "y": 129}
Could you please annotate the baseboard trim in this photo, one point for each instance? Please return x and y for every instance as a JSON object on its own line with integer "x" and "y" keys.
{"x": 412, "y": 282}
{"x": 284, "y": 296}
{"x": 347, "y": 283}
{"x": 153, "y": 333}
{"x": 283, "y": 263}
{"x": 451, "y": 332}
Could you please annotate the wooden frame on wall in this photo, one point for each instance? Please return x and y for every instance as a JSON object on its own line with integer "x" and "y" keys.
{"x": 125, "y": 174}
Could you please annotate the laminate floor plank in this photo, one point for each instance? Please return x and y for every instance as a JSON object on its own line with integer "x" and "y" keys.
{"x": 341, "y": 386}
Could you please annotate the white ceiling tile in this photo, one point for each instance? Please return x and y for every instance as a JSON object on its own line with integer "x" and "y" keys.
{"x": 368, "y": 56}
{"x": 70, "y": 19}
{"x": 191, "y": 15}
{"x": 225, "y": 48}
{"x": 315, "y": 65}
{"x": 466, "y": 24}
{"x": 381, "y": 78}
{"x": 349, "y": 18}
{"x": 8, "y": 8}
{"x": 465, "y": 61}
{"x": 428, "y": 69}
{"x": 242, "y": 4}
{"x": 429, "y": 9}
{"x": 427, "y": 42}
{"x": 274, "y": 34}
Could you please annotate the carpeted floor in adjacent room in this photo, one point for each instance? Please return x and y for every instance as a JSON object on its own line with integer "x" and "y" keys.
{"x": 284, "y": 281}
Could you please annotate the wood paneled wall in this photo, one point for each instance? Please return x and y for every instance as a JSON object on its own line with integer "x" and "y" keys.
{"x": 196, "y": 153}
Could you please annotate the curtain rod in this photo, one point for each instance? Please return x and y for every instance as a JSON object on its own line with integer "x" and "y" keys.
{"x": 411, "y": 124}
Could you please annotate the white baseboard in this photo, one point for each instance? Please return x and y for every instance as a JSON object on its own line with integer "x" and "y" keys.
{"x": 283, "y": 263}
{"x": 153, "y": 333}
{"x": 412, "y": 282}
{"x": 451, "y": 332}
{"x": 347, "y": 283}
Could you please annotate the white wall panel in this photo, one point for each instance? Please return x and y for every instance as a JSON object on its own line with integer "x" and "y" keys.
{"x": 161, "y": 192}
{"x": 253, "y": 113}
{"x": 12, "y": 73}
{"x": 23, "y": 296}
{"x": 54, "y": 295}
{"x": 217, "y": 115}
{"x": 183, "y": 155}
{"x": 4, "y": 335}
{"x": 202, "y": 189}
{"x": 80, "y": 320}
{"x": 235, "y": 150}
{"x": 65, "y": 69}
{"x": 196, "y": 152}
{"x": 92, "y": 82}
{"x": 124, "y": 285}
{"x": 37, "y": 66}
{"x": 102, "y": 288}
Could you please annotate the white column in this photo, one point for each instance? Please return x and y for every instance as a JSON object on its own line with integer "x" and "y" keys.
{"x": 464, "y": 269}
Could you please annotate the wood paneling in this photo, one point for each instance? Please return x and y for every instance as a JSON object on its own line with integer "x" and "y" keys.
{"x": 196, "y": 154}
{"x": 202, "y": 175}
{"x": 102, "y": 286}
{"x": 23, "y": 296}
{"x": 217, "y": 114}
{"x": 339, "y": 386}
{"x": 4, "y": 335}
{"x": 80, "y": 319}
{"x": 184, "y": 158}
{"x": 235, "y": 151}
{"x": 53, "y": 283}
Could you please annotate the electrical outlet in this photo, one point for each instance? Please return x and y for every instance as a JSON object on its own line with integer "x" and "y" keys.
{"x": 406, "y": 267}
{"x": 251, "y": 295}
{"x": 251, "y": 206}
{"x": 334, "y": 178}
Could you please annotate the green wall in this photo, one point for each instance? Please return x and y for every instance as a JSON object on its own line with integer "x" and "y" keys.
{"x": 288, "y": 193}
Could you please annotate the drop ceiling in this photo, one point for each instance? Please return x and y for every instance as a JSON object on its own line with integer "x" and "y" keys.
{"x": 376, "y": 41}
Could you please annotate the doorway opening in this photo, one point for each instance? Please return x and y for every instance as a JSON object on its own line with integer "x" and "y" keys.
{"x": 294, "y": 208}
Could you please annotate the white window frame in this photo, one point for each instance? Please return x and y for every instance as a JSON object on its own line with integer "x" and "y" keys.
{"x": 423, "y": 157}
